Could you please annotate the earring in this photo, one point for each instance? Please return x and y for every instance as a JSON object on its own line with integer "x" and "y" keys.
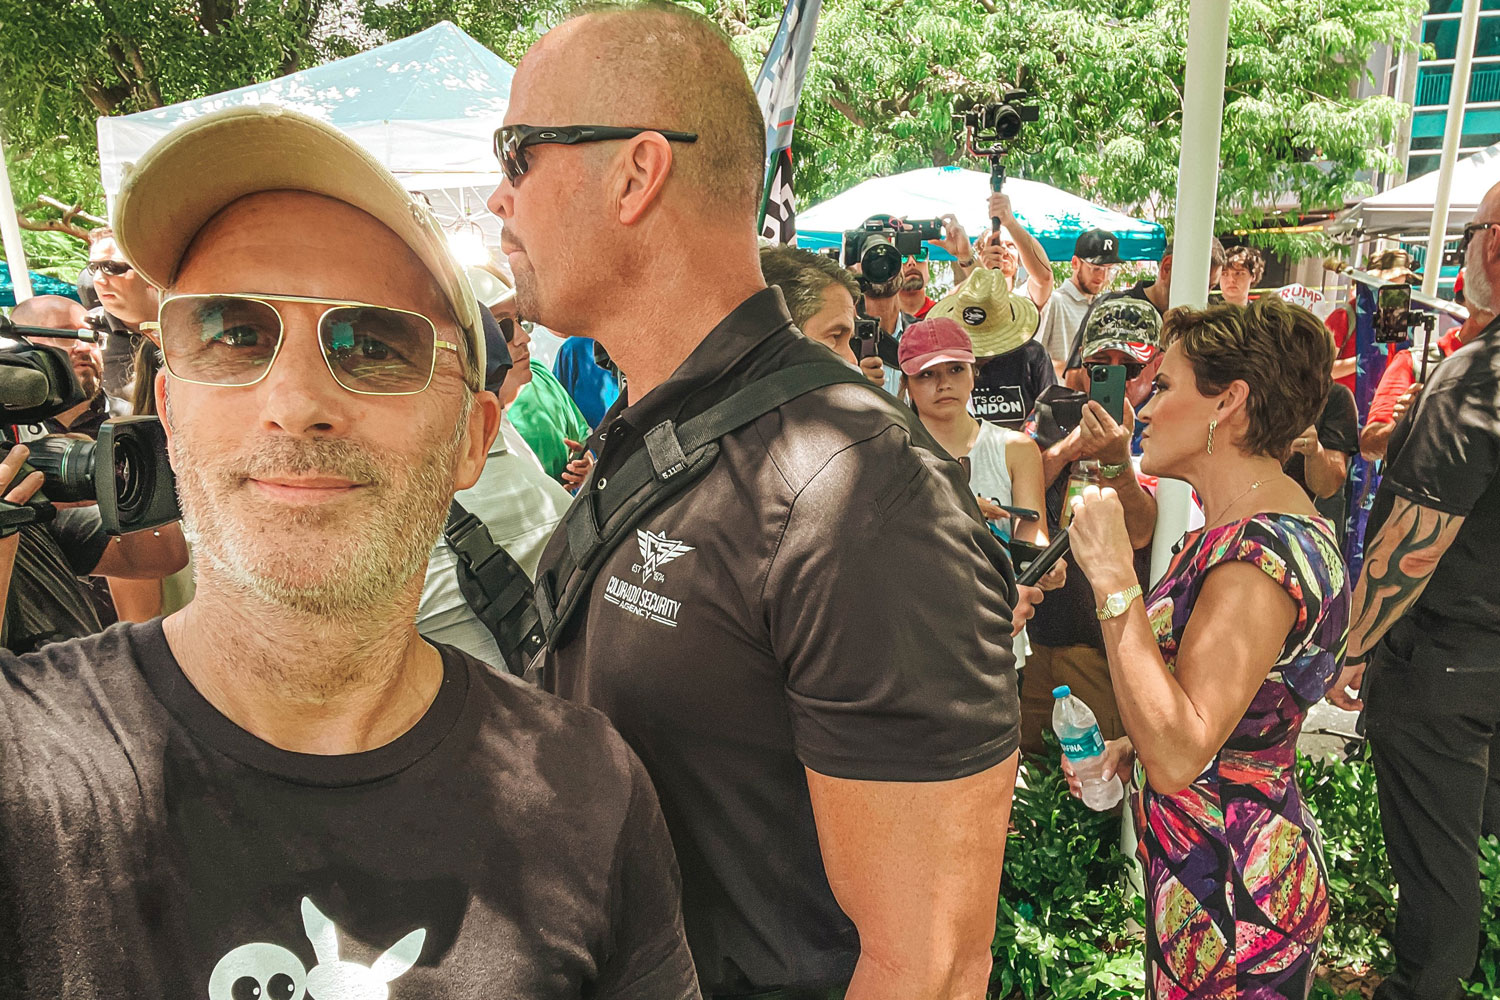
{"x": 1211, "y": 425}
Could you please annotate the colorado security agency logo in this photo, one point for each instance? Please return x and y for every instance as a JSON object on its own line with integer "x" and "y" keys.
{"x": 640, "y": 599}
{"x": 656, "y": 550}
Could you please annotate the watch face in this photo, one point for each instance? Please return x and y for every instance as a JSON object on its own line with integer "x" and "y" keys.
{"x": 1116, "y": 604}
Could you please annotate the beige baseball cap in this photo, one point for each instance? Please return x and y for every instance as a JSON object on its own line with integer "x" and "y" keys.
{"x": 200, "y": 167}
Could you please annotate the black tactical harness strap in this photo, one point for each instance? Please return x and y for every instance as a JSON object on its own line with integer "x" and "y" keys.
{"x": 674, "y": 457}
{"x": 496, "y": 589}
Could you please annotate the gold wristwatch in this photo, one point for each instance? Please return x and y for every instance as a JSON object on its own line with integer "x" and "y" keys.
{"x": 1116, "y": 604}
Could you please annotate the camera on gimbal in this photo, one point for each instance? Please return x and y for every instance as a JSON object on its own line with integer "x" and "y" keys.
{"x": 879, "y": 247}
{"x": 990, "y": 128}
{"x": 125, "y": 471}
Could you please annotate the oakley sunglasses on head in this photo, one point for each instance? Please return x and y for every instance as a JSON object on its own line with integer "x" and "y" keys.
{"x": 114, "y": 268}
{"x": 232, "y": 339}
{"x": 511, "y": 141}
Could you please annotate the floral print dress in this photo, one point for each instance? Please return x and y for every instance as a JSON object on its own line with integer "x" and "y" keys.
{"x": 1236, "y": 893}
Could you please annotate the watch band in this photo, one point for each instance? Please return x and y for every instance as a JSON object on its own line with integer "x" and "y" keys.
{"x": 965, "y": 263}
{"x": 1112, "y": 471}
{"x": 1118, "y": 603}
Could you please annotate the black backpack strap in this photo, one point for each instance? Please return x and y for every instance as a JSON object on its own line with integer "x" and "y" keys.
{"x": 674, "y": 457}
{"x": 496, "y": 589}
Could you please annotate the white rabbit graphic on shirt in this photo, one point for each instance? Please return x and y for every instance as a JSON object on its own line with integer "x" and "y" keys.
{"x": 269, "y": 972}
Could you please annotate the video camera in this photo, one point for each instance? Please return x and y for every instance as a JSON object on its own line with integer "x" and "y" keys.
{"x": 125, "y": 471}
{"x": 989, "y": 129}
{"x": 879, "y": 247}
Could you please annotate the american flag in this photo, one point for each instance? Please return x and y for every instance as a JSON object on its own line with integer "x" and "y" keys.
{"x": 779, "y": 87}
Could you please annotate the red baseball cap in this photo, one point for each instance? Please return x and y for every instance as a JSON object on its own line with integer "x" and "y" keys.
{"x": 933, "y": 341}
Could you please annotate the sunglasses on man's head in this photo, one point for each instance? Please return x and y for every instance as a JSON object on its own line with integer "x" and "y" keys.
{"x": 113, "y": 268}
{"x": 511, "y": 141}
{"x": 232, "y": 339}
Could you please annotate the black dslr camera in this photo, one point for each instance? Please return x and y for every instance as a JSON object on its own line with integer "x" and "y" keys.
{"x": 879, "y": 247}
{"x": 989, "y": 129}
{"x": 125, "y": 471}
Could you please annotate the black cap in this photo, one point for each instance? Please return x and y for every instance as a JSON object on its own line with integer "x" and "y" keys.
{"x": 1098, "y": 246}
{"x": 496, "y": 351}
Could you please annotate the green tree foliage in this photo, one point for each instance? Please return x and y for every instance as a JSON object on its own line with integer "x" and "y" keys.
{"x": 1107, "y": 75}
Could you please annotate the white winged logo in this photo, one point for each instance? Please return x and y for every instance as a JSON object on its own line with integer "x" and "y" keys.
{"x": 658, "y": 550}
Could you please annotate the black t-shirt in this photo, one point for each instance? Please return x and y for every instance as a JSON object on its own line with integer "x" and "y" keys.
{"x": 822, "y": 598}
{"x": 1006, "y": 386}
{"x": 1445, "y": 455}
{"x": 1338, "y": 430}
{"x": 48, "y": 601}
{"x": 508, "y": 845}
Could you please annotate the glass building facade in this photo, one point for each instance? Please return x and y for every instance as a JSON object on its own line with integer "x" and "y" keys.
{"x": 1481, "y": 126}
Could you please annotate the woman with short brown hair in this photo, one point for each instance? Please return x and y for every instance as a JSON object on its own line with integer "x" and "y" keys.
{"x": 1215, "y": 671}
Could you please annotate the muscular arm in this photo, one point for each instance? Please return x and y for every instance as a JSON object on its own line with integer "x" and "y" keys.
{"x": 1140, "y": 508}
{"x": 1375, "y": 439}
{"x": 1179, "y": 719}
{"x": 916, "y": 866}
{"x": 1398, "y": 565}
{"x": 1326, "y": 470}
{"x": 1039, "y": 280}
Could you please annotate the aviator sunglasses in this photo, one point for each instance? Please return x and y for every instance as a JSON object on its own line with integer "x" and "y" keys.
{"x": 232, "y": 339}
{"x": 511, "y": 141}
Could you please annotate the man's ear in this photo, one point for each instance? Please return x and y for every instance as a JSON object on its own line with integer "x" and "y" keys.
{"x": 484, "y": 426}
{"x": 645, "y": 166}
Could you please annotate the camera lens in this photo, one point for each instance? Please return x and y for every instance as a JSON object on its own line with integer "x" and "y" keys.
{"x": 881, "y": 261}
{"x": 68, "y": 465}
{"x": 131, "y": 488}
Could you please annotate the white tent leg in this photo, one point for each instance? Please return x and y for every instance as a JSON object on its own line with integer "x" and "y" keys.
{"x": 1453, "y": 129}
{"x": 10, "y": 231}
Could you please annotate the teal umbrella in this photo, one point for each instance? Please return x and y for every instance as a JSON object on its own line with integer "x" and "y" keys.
{"x": 41, "y": 284}
{"x": 1054, "y": 217}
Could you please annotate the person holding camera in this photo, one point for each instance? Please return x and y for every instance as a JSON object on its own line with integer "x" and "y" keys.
{"x": 1214, "y": 671}
{"x": 1422, "y": 654}
{"x": 837, "y": 783}
{"x": 1400, "y": 385}
{"x": 58, "y": 312}
{"x": 1007, "y": 250}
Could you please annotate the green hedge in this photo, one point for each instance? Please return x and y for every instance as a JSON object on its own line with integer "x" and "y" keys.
{"x": 1068, "y": 928}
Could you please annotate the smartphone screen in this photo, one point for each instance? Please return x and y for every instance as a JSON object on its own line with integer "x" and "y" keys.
{"x": 1107, "y": 388}
{"x": 1393, "y": 313}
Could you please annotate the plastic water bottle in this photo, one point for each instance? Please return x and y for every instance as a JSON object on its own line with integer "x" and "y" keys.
{"x": 1078, "y": 731}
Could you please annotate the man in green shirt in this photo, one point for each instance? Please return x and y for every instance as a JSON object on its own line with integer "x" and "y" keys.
{"x": 540, "y": 408}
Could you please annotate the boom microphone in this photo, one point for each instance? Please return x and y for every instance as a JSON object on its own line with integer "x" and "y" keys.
{"x": 22, "y": 388}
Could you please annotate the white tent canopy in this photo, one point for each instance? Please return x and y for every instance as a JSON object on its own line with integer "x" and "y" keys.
{"x": 426, "y": 106}
{"x": 1405, "y": 212}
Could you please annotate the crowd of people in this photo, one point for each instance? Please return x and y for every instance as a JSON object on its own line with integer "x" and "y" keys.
{"x": 695, "y": 662}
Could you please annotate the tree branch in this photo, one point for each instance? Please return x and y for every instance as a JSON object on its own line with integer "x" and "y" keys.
{"x": 847, "y": 111}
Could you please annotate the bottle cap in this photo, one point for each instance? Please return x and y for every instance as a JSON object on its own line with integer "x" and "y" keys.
{"x": 1061, "y": 691}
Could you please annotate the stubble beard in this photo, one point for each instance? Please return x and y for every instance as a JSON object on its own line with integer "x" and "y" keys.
{"x": 913, "y": 283}
{"x": 329, "y": 561}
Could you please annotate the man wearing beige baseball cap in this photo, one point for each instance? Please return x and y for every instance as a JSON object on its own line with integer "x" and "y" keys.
{"x": 283, "y": 790}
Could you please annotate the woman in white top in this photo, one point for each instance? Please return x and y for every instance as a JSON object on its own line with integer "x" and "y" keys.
{"x": 1005, "y": 466}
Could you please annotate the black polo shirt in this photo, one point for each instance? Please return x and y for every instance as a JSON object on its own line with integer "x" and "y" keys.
{"x": 821, "y": 598}
{"x": 1445, "y": 455}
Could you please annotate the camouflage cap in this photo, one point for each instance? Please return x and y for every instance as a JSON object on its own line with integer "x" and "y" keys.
{"x": 1122, "y": 324}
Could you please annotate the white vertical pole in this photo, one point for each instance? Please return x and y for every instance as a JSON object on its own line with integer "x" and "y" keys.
{"x": 1406, "y": 93}
{"x": 10, "y": 232}
{"x": 1197, "y": 198}
{"x": 1453, "y": 130}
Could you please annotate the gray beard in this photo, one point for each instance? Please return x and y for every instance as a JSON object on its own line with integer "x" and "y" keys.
{"x": 400, "y": 521}
{"x": 1479, "y": 291}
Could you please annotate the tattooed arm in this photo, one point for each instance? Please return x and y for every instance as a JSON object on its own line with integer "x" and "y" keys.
{"x": 1398, "y": 565}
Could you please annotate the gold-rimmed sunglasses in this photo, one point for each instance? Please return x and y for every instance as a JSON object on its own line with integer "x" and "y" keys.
{"x": 232, "y": 339}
